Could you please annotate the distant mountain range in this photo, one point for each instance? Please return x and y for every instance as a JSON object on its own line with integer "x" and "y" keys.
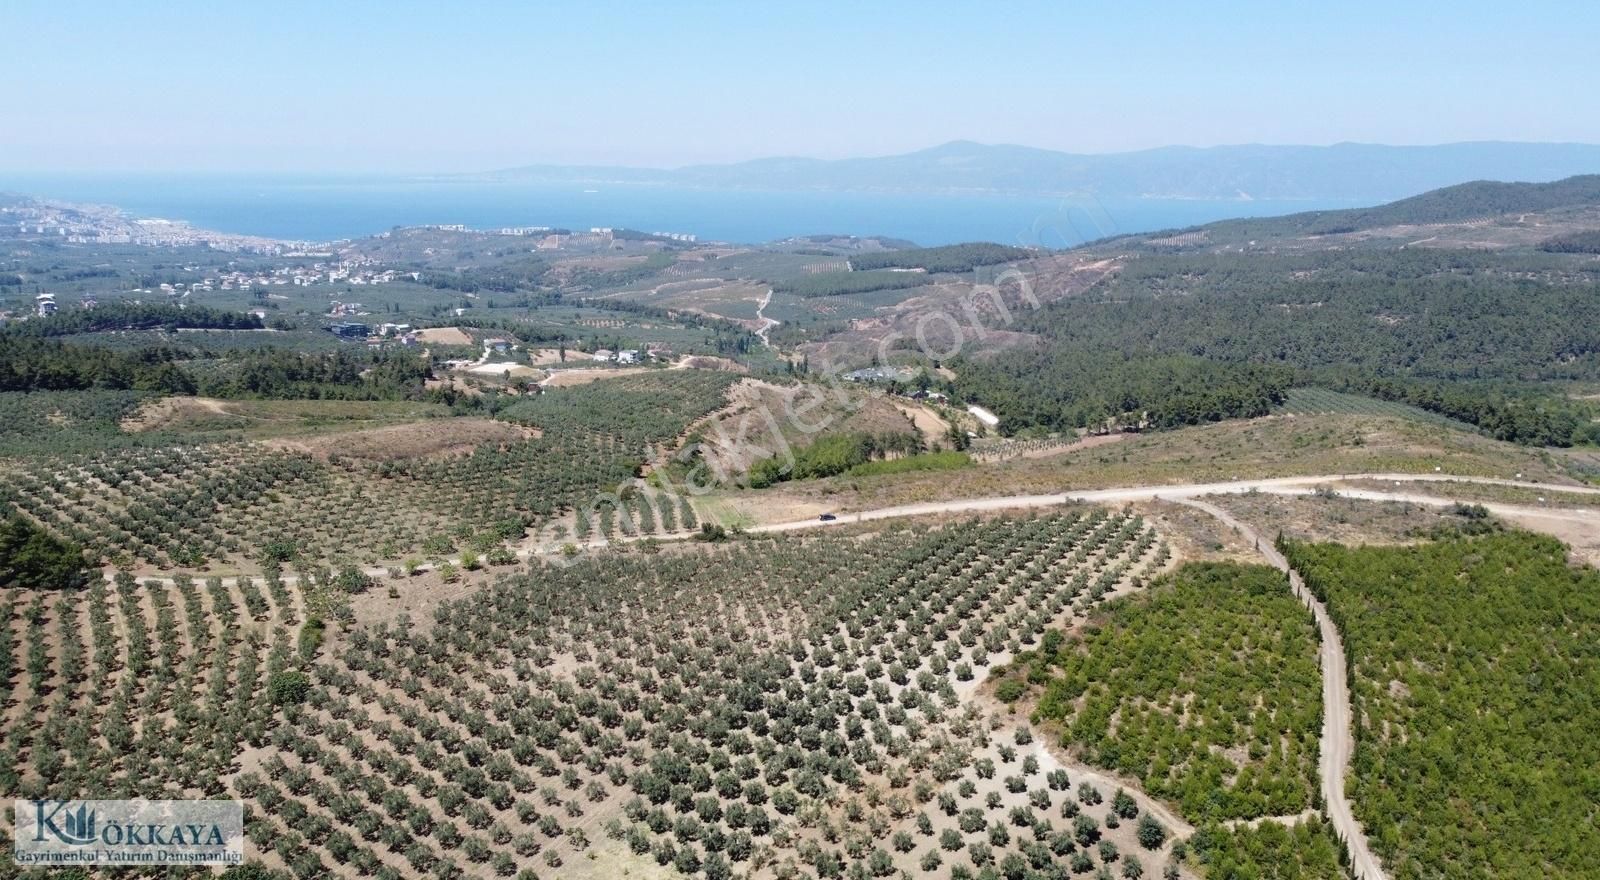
{"x": 1358, "y": 172}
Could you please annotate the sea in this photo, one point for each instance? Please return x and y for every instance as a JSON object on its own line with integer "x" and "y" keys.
{"x": 327, "y": 208}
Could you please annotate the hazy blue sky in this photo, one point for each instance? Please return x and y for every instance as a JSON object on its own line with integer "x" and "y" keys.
{"x": 398, "y": 86}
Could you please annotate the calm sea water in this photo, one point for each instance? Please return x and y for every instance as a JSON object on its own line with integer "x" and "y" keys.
{"x": 326, "y": 208}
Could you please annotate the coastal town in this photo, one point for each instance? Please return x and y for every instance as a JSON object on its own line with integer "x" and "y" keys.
{"x": 102, "y": 224}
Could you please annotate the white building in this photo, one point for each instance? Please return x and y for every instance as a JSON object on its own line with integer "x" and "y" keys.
{"x": 983, "y": 415}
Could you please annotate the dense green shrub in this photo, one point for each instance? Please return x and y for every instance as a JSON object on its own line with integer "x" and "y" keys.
{"x": 288, "y": 688}
{"x": 1474, "y": 670}
{"x": 29, "y": 557}
{"x": 1224, "y": 733}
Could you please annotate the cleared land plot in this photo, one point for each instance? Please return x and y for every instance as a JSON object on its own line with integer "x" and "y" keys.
{"x": 265, "y": 418}
{"x": 736, "y": 301}
{"x": 512, "y": 368}
{"x": 1317, "y": 401}
{"x": 1345, "y": 520}
{"x": 430, "y": 439}
{"x": 575, "y": 376}
{"x": 445, "y": 336}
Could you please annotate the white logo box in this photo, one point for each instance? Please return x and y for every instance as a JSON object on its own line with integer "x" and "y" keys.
{"x": 128, "y": 832}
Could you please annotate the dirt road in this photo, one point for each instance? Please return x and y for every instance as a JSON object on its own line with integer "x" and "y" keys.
{"x": 1276, "y": 485}
{"x": 1338, "y": 740}
{"x": 766, "y": 323}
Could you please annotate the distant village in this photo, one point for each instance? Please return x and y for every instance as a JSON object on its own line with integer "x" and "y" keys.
{"x": 331, "y": 264}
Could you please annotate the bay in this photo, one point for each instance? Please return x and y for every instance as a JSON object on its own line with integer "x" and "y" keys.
{"x": 325, "y": 208}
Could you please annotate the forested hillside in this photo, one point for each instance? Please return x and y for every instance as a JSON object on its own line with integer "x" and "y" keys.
{"x": 1468, "y": 201}
{"x": 838, "y": 283}
{"x": 950, "y": 258}
{"x": 1464, "y": 334}
{"x": 1060, "y": 388}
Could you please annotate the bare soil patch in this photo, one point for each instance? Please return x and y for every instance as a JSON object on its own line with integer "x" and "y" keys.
{"x": 570, "y": 378}
{"x": 430, "y": 439}
{"x": 1332, "y": 518}
{"x": 415, "y": 595}
{"x": 927, "y": 422}
{"x": 170, "y": 411}
{"x": 709, "y": 362}
{"x": 516, "y": 370}
{"x": 1195, "y": 536}
{"x": 445, "y": 336}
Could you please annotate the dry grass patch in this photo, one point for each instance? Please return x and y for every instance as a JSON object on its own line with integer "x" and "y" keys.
{"x": 1335, "y": 518}
{"x": 763, "y": 419}
{"x": 180, "y": 413}
{"x": 445, "y": 336}
{"x": 1273, "y": 446}
{"x": 431, "y": 439}
{"x": 583, "y": 376}
{"x": 710, "y": 362}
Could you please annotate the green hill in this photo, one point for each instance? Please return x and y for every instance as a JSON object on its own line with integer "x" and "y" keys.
{"x": 1481, "y": 199}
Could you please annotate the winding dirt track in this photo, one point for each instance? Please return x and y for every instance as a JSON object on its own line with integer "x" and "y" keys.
{"x": 1338, "y": 741}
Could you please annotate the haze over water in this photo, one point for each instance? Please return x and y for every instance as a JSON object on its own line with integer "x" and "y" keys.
{"x": 327, "y": 208}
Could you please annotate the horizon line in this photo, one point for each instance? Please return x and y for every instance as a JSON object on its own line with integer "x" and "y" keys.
{"x": 958, "y": 142}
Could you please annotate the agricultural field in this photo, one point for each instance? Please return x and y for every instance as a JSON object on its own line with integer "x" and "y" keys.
{"x": 367, "y": 494}
{"x": 1473, "y": 675}
{"x": 433, "y": 607}
{"x": 1317, "y": 401}
{"x": 606, "y": 716}
{"x": 54, "y": 422}
{"x": 1205, "y": 688}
